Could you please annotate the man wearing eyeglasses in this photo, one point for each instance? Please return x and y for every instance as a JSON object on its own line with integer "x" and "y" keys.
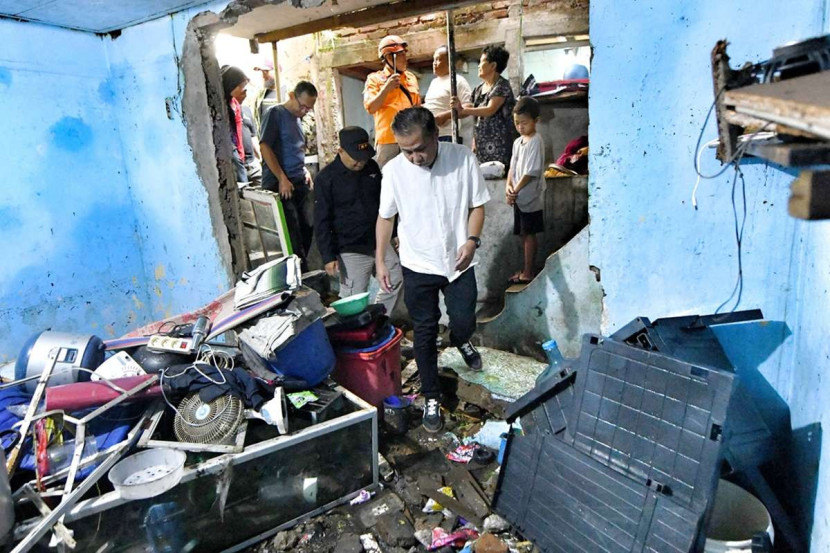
{"x": 283, "y": 150}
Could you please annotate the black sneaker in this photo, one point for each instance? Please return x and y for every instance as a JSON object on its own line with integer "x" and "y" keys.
{"x": 432, "y": 421}
{"x": 471, "y": 356}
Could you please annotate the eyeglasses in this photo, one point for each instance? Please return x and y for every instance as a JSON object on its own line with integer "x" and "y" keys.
{"x": 304, "y": 108}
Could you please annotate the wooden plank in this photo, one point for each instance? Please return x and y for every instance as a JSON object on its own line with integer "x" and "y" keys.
{"x": 801, "y": 103}
{"x": 796, "y": 154}
{"x": 367, "y": 16}
{"x": 452, "y": 504}
{"x": 810, "y": 195}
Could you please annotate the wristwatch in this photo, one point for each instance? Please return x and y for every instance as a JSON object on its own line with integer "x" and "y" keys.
{"x": 476, "y": 240}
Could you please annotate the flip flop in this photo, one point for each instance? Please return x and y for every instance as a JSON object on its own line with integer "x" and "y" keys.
{"x": 517, "y": 280}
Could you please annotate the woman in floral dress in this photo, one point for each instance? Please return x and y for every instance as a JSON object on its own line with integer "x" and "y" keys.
{"x": 492, "y": 106}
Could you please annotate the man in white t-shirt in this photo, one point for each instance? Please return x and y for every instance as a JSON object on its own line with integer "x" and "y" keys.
{"x": 439, "y": 96}
{"x": 437, "y": 191}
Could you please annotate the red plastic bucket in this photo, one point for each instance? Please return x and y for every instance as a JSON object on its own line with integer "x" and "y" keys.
{"x": 371, "y": 375}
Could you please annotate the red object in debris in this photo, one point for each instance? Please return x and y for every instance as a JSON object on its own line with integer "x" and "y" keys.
{"x": 372, "y": 375}
{"x": 354, "y": 335}
{"x": 81, "y": 395}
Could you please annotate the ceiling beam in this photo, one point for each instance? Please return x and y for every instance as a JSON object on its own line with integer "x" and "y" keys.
{"x": 367, "y": 16}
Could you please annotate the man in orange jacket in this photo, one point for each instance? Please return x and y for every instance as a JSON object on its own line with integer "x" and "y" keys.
{"x": 387, "y": 92}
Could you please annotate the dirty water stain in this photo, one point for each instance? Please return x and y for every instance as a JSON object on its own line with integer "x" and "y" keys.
{"x": 160, "y": 272}
{"x": 9, "y": 218}
{"x": 71, "y": 134}
{"x": 5, "y": 77}
{"x": 106, "y": 92}
{"x": 110, "y": 330}
{"x": 137, "y": 302}
{"x": 157, "y": 290}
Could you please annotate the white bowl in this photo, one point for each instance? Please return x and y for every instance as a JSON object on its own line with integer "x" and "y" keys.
{"x": 148, "y": 473}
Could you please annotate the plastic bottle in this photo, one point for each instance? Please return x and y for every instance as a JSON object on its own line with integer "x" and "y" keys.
{"x": 555, "y": 360}
{"x": 60, "y": 456}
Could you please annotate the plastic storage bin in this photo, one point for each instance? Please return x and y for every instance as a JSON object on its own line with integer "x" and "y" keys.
{"x": 308, "y": 356}
{"x": 372, "y": 375}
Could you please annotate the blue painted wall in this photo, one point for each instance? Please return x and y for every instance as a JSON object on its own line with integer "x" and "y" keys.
{"x": 182, "y": 264}
{"x": 650, "y": 91}
{"x": 71, "y": 257}
{"x": 104, "y": 222}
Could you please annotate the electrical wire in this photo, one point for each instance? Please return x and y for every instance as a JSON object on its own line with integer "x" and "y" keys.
{"x": 739, "y": 237}
{"x": 193, "y": 366}
{"x": 735, "y": 161}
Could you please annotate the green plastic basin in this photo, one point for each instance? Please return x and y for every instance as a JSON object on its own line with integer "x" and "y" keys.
{"x": 351, "y": 305}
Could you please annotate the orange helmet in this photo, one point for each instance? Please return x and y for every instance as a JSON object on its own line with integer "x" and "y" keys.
{"x": 391, "y": 44}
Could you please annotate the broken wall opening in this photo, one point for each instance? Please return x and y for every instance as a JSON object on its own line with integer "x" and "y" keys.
{"x": 337, "y": 60}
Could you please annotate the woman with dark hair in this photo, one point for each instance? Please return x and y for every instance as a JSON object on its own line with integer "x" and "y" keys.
{"x": 492, "y": 105}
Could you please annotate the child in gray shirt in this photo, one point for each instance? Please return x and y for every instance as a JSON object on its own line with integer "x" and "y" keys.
{"x": 526, "y": 184}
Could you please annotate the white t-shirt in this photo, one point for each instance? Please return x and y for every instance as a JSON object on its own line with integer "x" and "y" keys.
{"x": 529, "y": 159}
{"x": 438, "y": 100}
{"x": 433, "y": 206}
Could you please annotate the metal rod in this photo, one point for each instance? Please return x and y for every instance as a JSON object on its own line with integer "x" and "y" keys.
{"x": 14, "y": 456}
{"x": 63, "y": 533}
{"x": 68, "y": 501}
{"x": 451, "y": 62}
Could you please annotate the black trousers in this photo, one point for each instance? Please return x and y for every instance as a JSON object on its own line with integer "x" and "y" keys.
{"x": 421, "y": 298}
{"x": 300, "y": 229}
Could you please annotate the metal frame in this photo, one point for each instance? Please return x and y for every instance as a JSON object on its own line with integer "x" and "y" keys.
{"x": 216, "y": 465}
{"x": 272, "y": 201}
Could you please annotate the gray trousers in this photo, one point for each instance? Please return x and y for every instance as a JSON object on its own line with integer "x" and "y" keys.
{"x": 357, "y": 268}
{"x": 385, "y": 152}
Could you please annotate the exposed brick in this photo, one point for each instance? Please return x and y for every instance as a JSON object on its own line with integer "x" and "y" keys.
{"x": 498, "y": 14}
{"x": 368, "y": 28}
{"x": 429, "y": 17}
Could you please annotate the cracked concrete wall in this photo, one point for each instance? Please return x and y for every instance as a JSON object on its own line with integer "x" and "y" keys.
{"x": 563, "y": 303}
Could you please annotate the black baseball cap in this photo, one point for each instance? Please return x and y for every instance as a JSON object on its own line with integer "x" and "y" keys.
{"x": 355, "y": 141}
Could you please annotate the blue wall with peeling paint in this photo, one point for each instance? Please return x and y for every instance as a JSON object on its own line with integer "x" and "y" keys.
{"x": 71, "y": 254}
{"x": 650, "y": 91}
{"x": 182, "y": 263}
{"x": 104, "y": 223}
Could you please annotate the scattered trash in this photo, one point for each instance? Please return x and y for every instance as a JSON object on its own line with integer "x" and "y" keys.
{"x": 433, "y": 506}
{"x": 370, "y": 545}
{"x": 384, "y": 468}
{"x": 490, "y": 434}
{"x": 495, "y": 524}
{"x": 298, "y": 399}
{"x": 441, "y": 537}
{"x": 463, "y": 453}
{"x": 362, "y": 497}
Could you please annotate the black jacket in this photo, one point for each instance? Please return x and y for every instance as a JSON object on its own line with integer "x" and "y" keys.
{"x": 346, "y": 209}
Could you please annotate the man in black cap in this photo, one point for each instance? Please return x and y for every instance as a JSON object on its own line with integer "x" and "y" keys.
{"x": 346, "y": 200}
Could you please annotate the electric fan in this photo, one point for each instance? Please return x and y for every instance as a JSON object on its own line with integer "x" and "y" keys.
{"x": 213, "y": 422}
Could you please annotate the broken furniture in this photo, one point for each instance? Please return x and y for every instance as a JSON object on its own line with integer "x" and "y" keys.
{"x": 265, "y": 231}
{"x": 231, "y": 501}
{"x": 623, "y": 447}
{"x": 785, "y": 95}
